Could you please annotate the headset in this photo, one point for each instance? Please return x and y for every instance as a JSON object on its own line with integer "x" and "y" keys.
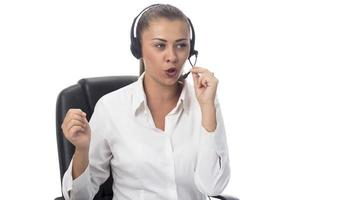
{"x": 135, "y": 46}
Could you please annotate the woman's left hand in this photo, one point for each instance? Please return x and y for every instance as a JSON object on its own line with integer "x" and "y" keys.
{"x": 205, "y": 84}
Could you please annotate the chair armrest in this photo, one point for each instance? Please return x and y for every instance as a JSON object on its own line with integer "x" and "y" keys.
{"x": 59, "y": 198}
{"x": 225, "y": 197}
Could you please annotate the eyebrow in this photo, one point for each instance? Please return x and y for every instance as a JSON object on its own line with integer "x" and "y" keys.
{"x": 163, "y": 40}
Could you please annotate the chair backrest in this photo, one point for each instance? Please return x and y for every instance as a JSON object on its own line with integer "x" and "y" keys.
{"x": 84, "y": 95}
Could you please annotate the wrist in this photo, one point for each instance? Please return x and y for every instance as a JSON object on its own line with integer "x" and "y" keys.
{"x": 209, "y": 117}
{"x": 82, "y": 150}
{"x": 207, "y": 107}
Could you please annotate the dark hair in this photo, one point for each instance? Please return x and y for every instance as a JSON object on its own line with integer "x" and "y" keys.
{"x": 156, "y": 12}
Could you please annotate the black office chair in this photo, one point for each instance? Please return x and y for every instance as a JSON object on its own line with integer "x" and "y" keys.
{"x": 84, "y": 95}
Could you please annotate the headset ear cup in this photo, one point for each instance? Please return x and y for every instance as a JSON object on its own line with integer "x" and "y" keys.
{"x": 135, "y": 48}
{"x": 132, "y": 47}
{"x": 138, "y": 48}
{"x": 192, "y": 48}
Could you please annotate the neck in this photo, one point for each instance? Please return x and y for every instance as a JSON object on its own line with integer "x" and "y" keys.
{"x": 160, "y": 94}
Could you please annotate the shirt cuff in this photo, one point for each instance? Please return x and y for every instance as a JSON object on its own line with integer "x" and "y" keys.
{"x": 67, "y": 182}
{"x": 71, "y": 188}
{"x": 208, "y": 139}
{"x": 80, "y": 183}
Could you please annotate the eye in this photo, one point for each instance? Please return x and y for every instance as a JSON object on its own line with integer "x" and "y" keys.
{"x": 160, "y": 45}
{"x": 181, "y": 45}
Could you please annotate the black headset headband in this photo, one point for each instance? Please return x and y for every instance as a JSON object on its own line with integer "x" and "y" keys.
{"x": 135, "y": 42}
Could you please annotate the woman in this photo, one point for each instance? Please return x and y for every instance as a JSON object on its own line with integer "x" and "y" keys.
{"x": 162, "y": 137}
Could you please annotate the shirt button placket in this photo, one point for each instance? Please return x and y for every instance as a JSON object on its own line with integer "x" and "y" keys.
{"x": 172, "y": 193}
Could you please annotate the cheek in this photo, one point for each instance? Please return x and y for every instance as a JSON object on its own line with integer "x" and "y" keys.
{"x": 151, "y": 60}
{"x": 185, "y": 55}
{"x": 150, "y": 56}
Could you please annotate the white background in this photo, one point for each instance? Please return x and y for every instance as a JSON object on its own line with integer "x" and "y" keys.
{"x": 282, "y": 67}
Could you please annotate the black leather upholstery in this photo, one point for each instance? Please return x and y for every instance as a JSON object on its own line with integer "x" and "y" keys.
{"x": 84, "y": 95}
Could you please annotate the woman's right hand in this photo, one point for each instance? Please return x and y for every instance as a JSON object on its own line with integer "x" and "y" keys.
{"x": 76, "y": 129}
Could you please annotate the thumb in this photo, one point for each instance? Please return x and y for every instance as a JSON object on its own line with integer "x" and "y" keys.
{"x": 195, "y": 77}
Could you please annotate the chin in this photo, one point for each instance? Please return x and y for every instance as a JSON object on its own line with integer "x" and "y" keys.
{"x": 165, "y": 81}
{"x": 170, "y": 81}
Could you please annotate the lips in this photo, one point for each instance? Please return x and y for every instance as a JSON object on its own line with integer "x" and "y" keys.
{"x": 171, "y": 69}
{"x": 171, "y": 72}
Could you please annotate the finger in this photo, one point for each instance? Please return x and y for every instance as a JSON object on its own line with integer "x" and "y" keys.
{"x": 199, "y": 69}
{"x": 74, "y": 113}
{"x": 85, "y": 120}
{"x": 71, "y": 113}
{"x": 195, "y": 77}
{"x": 206, "y": 72}
{"x": 204, "y": 80}
{"x": 77, "y": 111}
{"x": 75, "y": 116}
{"x": 78, "y": 117}
{"x": 75, "y": 122}
{"x": 75, "y": 130}
{"x": 207, "y": 80}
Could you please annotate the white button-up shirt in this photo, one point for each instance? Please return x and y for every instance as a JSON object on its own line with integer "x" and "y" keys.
{"x": 183, "y": 162}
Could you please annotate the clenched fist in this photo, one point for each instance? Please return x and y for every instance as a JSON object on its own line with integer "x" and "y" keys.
{"x": 76, "y": 129}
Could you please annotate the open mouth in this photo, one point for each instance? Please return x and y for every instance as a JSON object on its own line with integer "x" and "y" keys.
{"x": 171, "y": 72}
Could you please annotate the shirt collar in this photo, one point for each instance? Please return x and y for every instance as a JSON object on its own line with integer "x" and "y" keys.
{"x": 139, "y": 98}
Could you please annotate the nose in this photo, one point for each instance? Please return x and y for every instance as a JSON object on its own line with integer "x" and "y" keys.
{"x": 171, "y": 55}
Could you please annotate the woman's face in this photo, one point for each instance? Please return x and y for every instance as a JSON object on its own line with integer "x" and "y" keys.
{"x": 165, "y": 48}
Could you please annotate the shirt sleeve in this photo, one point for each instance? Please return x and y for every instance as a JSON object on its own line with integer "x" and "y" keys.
{"x": 212, "y": 172}
{"x": 87, "y": 184}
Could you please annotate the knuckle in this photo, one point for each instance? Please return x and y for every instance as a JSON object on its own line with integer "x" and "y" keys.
{"x": 71, "y": 110}
{"x": 68, "y": 123}
{"x": 73, "y": 130}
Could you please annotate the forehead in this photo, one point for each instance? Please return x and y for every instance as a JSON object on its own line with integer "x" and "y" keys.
{"x": 167, "y": 29}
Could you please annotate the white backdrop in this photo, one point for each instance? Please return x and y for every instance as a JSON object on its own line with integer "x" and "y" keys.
{"x": 282, "y": 67}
